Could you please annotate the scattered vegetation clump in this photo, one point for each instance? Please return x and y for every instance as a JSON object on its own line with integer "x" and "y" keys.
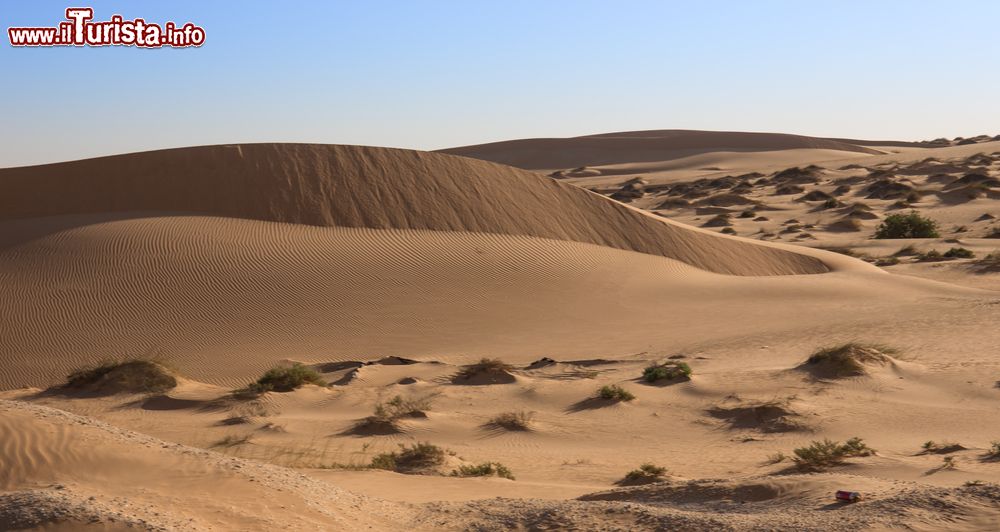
{"x": 993, "y": 453}
{"x": 776, "y": 458}
{"x": 385, "y": 419}
{"x": 887, "y": 261}
{"x": 615, "y": 393}
{"x": 719, "y": 220}
{"x": 135, "y": 375}
{"x": 668, "y": 371}
{"x": 486, "y": 469}
{"x": 933, "y": 447}
{"x": 728, "y": 231}
{"x": 820, "y": 455}
{"x": 286, "y": 379}
{"x": 911, "y": 225}
{"x": 930, "y": 256}
{"x": 646, "y": 474}
{"x": 418, "y": 457}
{"x": 749, "y": 213}
{"x": 847, "y": 360}
{"x": 959, "y": 253}
{"x": 517, "y": 420}
{"x": 832, "y": 203}
{"x": 989, "y": 263}
{"x": 233, "y": 440}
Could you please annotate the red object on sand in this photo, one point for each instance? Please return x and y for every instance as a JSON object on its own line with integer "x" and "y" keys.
{"x": 848, "y": 496}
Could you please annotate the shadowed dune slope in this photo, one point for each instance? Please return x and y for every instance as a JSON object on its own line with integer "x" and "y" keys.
{"x": 638, "y": 147}
{"x": 378, "y": 188}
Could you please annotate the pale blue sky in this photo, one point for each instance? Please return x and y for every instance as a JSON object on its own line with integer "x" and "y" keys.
{"x": 434, "y": 74}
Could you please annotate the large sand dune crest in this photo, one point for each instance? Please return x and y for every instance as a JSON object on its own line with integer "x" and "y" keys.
{"x": 376, "y": 188}
{"x": 643, "y": 146}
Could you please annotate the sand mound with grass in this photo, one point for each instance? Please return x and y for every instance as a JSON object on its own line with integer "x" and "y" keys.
{"x": 486, "y": 371}
{"x": 848, "y": 360}
{"x": 130, "y": 376}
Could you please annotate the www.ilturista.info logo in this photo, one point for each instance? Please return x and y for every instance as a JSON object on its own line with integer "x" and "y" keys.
{"x": 78, "y": 30}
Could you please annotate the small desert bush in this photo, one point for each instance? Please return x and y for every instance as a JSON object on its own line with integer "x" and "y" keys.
{"x": 233, "y": 440}
{"x": 933, "y": 447}
{"x": 887, "y": 261}
{"x": 286, "y": 379}
{"x": 994, "y": 451}
{"x": 128, "y": 376}
{"x": 486, "y": 469}
{"x": 416, "y": 457}
{"x": 930, "y": 256}
{"x": 911, "y": 225}
{"x": 615, "y": 393}
{"x": 848, "y": 360}
{"x": 386, "y": 417}
{"x": 668, "y": 371}
{"x": 646, "y": 474}
{"x": 484, "y": 366}
{"x": 820, "y": 455}
{"x": 776, "y": 458}
{"x": 518, "y": 420}
{"x": 959, "y": 253}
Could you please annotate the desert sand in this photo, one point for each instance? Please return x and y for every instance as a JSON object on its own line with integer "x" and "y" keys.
{"x": 389, "y": 272}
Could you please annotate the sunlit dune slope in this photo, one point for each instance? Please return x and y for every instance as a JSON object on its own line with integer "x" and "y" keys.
{"x": 378, "y": 188}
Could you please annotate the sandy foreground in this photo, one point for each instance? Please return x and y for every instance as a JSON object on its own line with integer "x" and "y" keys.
{"x": 388, "y": 271}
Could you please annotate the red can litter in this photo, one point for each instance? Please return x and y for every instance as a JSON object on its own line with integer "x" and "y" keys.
{"x": 848, "y": 496}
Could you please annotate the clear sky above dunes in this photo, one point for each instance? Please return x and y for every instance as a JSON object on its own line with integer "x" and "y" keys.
{"x": 435, "y": 74}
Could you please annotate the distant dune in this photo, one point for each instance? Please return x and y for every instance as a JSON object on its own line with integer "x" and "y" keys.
{"x": 643, "y": 146}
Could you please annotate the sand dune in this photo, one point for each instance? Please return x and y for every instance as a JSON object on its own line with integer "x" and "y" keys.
{"x": 375, "y": 188}
{"x": 640, "y": 147}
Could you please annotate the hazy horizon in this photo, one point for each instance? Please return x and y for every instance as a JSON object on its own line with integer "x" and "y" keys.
{"x": 432, "y": 76}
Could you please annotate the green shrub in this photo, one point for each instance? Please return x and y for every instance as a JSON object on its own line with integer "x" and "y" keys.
{"x": 933, "y": 447}
{"x": 930, "y": 256}
{"x": 385, "y": 419}
{"x": 286, "y": 379}
{"x": 615, "y": 393}
{"x": 519, "y": 420}
{"x": 911, "y": 225}
{"x": 486, "y": 469}
{"x": 668, "y": 371}
{"x": 959, "y": 253}
{"x": 416, "y": 457}
{"x": 646, "y": 474}
{"x": 820, "y": 455}
{"x": 129, "y": 376}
